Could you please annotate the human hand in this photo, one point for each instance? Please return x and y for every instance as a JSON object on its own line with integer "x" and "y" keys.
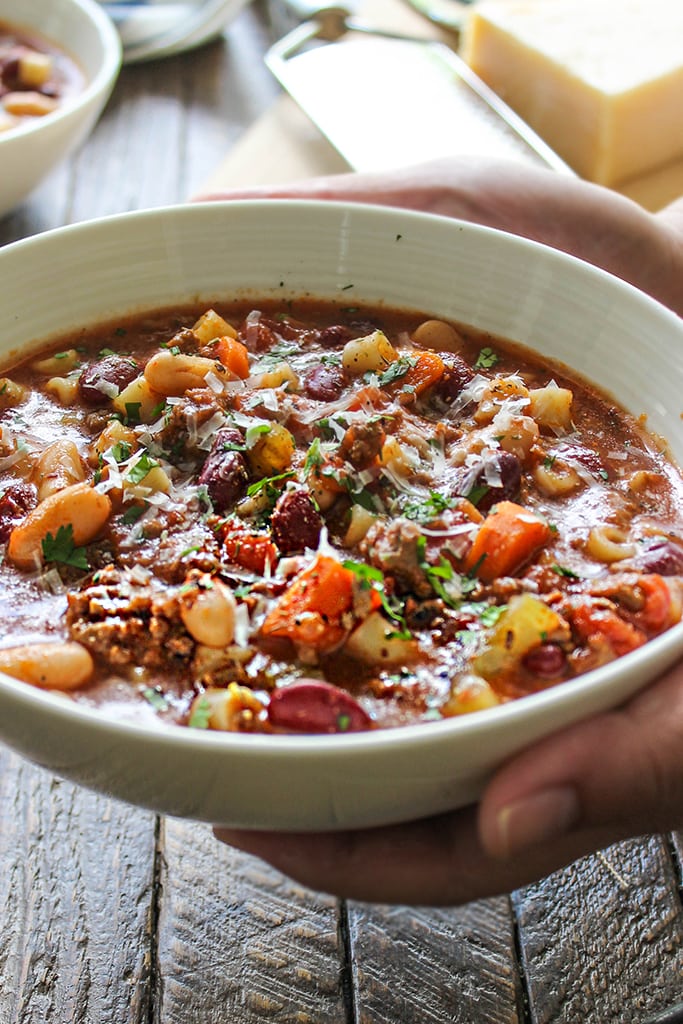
{"x": 588, "y": 221}
{"x": 613, "y": 776}
{"x": 616, "y": 775}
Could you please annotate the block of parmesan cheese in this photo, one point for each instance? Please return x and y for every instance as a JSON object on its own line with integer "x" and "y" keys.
{"x": 600, "y": 80}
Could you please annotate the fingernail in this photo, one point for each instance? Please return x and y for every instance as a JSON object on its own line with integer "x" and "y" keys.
{"x": 545, "y": 815}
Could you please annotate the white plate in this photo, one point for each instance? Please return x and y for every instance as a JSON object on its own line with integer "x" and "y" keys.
{"x": 153, "y": 30}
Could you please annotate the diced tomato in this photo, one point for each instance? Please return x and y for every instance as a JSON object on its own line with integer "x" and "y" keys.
{"x": 656, "y": 613}
{"x": 253, "y": 551}
{"x": 602, "y": 625}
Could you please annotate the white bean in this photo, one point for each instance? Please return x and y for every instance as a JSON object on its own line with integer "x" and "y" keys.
{"x": 79, "y": 506}
{"x": 208, "y": 612}
{"x": 51, "y": 666}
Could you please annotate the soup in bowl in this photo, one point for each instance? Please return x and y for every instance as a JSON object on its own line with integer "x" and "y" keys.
{"x": 314, "y": 513}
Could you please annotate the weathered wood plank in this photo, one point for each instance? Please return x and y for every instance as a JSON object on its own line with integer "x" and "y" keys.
{"x": 450, "y": 966}
{"x": 602, "y": 941}
{"x": 238, "y": 942}
{"x": 75, "y": 902}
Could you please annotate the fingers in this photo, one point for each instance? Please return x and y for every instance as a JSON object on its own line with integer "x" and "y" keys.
{"x": 620, "y": 770}
{"x": 614, "y": 776}
{"x": 435, "y": 862}
{"x": 586, "y": 220}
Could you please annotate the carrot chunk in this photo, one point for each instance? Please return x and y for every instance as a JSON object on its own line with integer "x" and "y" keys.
{"x": 428, "y": 369}
{"x": 509, "y": 536}
{"x": 310, "y": 611}
{"x": 233, "y": 355}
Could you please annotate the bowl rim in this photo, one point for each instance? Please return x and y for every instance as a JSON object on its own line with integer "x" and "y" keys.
{"x": 663, "y": 649}
{"x": 102, "y": 80}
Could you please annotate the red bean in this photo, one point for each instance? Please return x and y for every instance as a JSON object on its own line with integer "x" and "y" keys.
{"x": 456, "y": 376}
{"x": 313, "y": 706}
{"x": 295, "y": 523}
{"x": 547, "y": 661}
{"x": 324, "y": 383}
{"x": 15, "y": 502}
{"x": 510, "y": 472}
{"x": 334, "y": 336}
{"x": 99, "y": 380}
{"x": 665, "y": 558}
{"x": 224, "y": 473}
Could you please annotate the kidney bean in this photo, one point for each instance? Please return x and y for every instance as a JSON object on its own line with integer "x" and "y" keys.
{"x": 295, "y": 523}
{"x": 9, "y": 73}
{"x": 98, "y": 379}
{"x": 15, "y": 502}
{"x": 548, "y": 661}
{"x": 225, "y": 473}
{"x": 456, "y": 376}
{"x": 334, "y": 336}
{"x": 587, "y": 457}
{"x": 665, "y": 558}
{"x": 359, "y": 328}
{"x": 313, "y": 706}
{"x": 510, "y": 470}
{"x": 324, "y": 383}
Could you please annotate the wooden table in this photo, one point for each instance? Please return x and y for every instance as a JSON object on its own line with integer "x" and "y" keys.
{"x": 110, "y": 915}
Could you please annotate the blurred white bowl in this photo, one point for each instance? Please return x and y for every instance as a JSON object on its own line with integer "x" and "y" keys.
{"x": 608, "y": 331}
{"x": 30, "y": 151}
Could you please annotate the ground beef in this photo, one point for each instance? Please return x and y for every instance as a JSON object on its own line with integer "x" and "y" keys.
{"x": 394, "y": 547}
{"x": 127, "y": 619}
{"x": 178, "y": 437}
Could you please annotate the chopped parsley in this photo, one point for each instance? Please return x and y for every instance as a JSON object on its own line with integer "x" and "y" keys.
{"x": 253, "y": 433}
{"x": 314, "y": 457}
{"x": 562, "y": 570}
{"x": 201, "y": 714}
{"x": 476, "y": 493}
{"x": 486, "y": 359}
{"x": 132, "y": 514}
{"x": 145, "y": 464}
{"x": 371, "y": 578}
{"x": 133, "y": 412}
{"x": 430, "y": 508}
{"x": 121, "y": 451}
{"x": 396, "y": 370}
{"x": 156, "y": 698}
{"x": 60, "y": 547}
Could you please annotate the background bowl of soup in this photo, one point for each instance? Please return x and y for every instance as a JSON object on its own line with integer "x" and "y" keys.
{"x": 59, "y": 60}
{"x": 354, "y": 256}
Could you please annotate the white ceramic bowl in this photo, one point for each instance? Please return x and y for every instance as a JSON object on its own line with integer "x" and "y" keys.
{"x": 607, "y": 330}
{"x": 80, "y": 27}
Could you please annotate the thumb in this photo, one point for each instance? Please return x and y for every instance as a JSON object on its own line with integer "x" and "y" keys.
{"x": 619, "y": 773}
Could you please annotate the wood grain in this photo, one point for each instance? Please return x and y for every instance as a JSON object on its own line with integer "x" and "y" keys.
{"x": 108, "y": 916}
{"x": 602, "y": 941}
{"x": 75, "y": 902}
{"x": 431, "y": 966}
{"x": 238, "y": 942}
